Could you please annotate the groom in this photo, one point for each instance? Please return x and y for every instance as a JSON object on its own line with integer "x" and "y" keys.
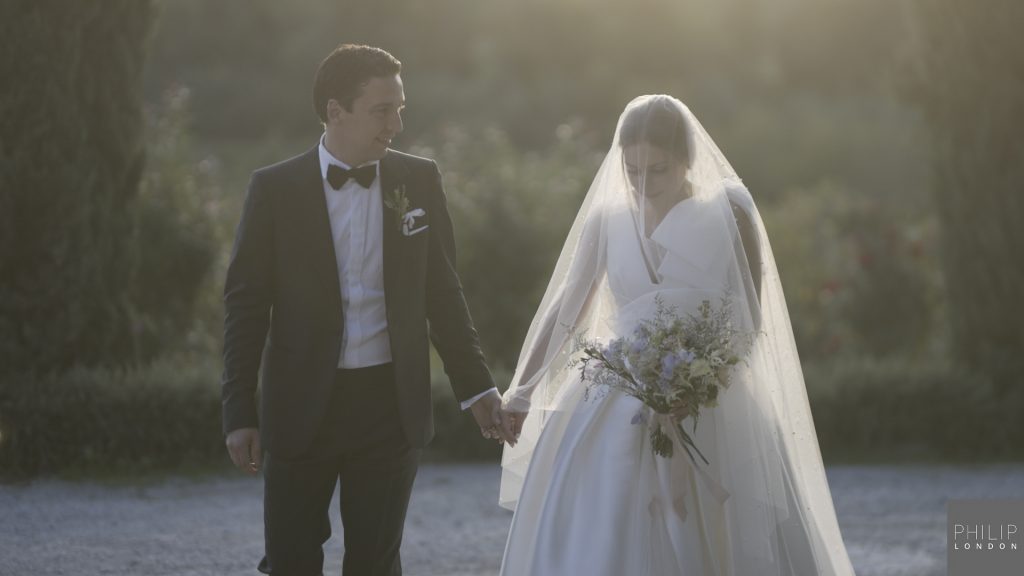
{"x": 343, "y": 266}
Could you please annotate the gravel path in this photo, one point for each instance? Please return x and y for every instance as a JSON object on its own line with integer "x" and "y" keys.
{"x": 893, "y": 520}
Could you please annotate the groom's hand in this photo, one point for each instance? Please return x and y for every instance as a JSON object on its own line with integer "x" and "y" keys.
{"x": 244, "y": 449}
{"x": 491, "y": 419}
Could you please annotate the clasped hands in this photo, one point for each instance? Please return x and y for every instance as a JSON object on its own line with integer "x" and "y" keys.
{"x": 497, "y": 423}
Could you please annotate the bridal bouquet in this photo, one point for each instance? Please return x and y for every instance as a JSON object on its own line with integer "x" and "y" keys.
{"x": 675, "y": 365}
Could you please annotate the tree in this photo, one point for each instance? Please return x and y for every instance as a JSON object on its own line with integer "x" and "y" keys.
{"x": 968, "y": 80}
{"x": 71, "y": 157}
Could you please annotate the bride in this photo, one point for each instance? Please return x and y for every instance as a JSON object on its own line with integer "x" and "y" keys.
{"x": 665, "y": 220}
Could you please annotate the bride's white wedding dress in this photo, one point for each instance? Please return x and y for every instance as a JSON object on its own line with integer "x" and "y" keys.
{"x": 595, "y": 499}
{"x": 590, "y": 497}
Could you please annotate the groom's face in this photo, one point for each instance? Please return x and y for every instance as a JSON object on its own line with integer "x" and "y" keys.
{"x": 366, "y": 131}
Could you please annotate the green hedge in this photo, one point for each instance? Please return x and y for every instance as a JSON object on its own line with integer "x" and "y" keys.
{"x": 124, "y": 421}
{"x": 166, "y": 418}
{"x": 867, "y": 410}
{"x": 162, "y": 418}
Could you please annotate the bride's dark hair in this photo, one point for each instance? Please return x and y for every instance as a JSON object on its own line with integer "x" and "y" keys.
{"x": 659, "y": 122}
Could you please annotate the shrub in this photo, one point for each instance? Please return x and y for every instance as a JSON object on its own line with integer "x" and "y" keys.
{"x": 899, "y": 410}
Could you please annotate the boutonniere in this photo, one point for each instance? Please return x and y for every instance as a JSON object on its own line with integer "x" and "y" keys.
{"x": 405, "y": 219}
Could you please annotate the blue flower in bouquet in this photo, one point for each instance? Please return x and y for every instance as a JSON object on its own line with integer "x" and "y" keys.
{"x": 639, "y": 417}
{"x": 614, "y": 349}
{"x": 670, "y": 361}
{"x": 639, "y": 345}
{"x": 668, "y": 365}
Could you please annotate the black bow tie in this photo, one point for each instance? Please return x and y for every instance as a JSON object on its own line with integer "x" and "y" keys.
{"x": 337, "y": 176}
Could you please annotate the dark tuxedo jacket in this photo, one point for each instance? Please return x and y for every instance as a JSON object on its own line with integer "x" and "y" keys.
{"x": 283, "y": 310}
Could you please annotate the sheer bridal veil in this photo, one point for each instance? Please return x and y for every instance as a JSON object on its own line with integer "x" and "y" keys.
{"x": 779, "y": 513}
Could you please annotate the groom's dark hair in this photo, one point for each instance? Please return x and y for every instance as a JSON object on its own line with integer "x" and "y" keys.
{"x": 345, "y": 71}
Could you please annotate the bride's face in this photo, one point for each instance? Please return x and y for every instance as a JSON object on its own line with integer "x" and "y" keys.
{"x": 652, "y": 171}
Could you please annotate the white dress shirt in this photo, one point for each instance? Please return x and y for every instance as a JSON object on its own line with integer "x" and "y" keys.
{"x": 356, "y": 215}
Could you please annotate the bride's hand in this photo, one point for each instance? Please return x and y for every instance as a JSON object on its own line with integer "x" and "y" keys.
{"x": 517, "y": 419}
{"x": 681, "y": 413}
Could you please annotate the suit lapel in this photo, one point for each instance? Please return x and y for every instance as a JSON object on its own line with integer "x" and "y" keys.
{"x": 313, "y": 212}
{"x": 392, "y": 175}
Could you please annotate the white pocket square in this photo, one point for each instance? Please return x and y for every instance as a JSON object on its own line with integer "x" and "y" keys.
{"x": 409, "y": 219}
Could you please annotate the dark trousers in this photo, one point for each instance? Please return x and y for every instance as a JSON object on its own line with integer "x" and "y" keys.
{"x": 361, "y": 446}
